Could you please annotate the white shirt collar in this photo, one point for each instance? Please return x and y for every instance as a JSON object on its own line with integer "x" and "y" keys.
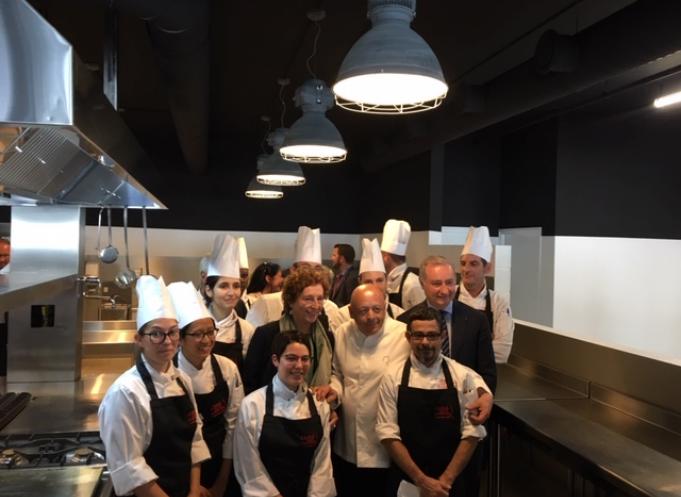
{"x": 281, "y": 390}
{"x": 186, "y": 365}
{"x": 448, "y": 309}
{"x": 228, "y": 321}
{"x": 425, "y": 370}
{"x": 171, "y": 375}
{"x": 397, "y": 272}
{"x": 464, "y": 291}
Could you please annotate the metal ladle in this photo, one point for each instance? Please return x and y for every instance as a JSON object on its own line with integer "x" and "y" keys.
{"x": 126, "y": 277}
{"x": 109, "y": 253}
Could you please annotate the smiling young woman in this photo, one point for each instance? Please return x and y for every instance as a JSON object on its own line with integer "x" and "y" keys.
{"x": 282, "y": 444}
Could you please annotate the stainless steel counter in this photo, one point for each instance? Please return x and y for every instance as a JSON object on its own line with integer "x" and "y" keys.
{"x": 54, "y": 482}
{"x": 634, "y": 456}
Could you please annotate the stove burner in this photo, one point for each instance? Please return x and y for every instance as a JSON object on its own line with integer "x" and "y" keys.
{"x": 11, "y": 458}
{"x": 83, "y": 455}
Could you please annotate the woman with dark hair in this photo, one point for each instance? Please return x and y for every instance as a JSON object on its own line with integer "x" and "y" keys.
{"x": 303, "y": 297}
{"x": 281, "y": 440}
{"x": 216, "y": 383}
{"x": 223, "y": 292}
{"x": 266, "y": 278}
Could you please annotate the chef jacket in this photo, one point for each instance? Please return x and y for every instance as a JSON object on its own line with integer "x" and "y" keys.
{"x": 359, "y": 362}
{"x": 125, "y": 424}
{"x": 344, "y": 312}
{"x": 502, "y": 338}
{"x": 426, "y": 378}
{"x": 250, "y": 471}
{"x": 270, "y": 306}
{"x": 227, "y": 331}
{"x": 203, "y": 381}
{"x": 412, "y": 292}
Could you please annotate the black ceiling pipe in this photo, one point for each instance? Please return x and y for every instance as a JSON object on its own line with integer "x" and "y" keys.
{"x": 639, "y": 34}
{"x": 179, "y": 32}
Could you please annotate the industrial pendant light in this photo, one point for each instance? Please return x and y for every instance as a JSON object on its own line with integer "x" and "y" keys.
{"x": 390, "y": 69}
{"x": 313, "y": 139}
{"x": 260, "y": 191}
{"x": 273, "y": 169}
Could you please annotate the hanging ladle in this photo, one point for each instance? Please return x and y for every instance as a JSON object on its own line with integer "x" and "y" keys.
{"x": 109, "y": 253}
{"x": 126, "y": 277}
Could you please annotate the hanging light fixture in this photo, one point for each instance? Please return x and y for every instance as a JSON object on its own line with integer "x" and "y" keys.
{"x": 273, "y": 169}
{"x": 390, "y": 69}
{"x": 313, "y": 138}
{"x": 260, "y": 191}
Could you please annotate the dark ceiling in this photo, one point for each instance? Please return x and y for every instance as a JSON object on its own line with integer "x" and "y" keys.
{"x": 253, "y": 43}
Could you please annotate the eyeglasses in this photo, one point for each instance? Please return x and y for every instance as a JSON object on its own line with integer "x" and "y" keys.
{"x": 429, "y": 337}
{"x": 158, "y": 337}
{"x": 200, "y": 335}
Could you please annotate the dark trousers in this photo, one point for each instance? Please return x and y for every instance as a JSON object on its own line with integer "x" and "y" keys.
{"x": 352, "y": 481}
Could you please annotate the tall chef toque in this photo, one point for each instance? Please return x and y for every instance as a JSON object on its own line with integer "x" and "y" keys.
{"x": 224, "y": 260}
{"x": 153, "y": 299}
{"x": 478, "y": 243}
{"x": 188, "y": 303}
{"x": 308, "y": 246}
{"x": 372, "y": 260}
{"x": 243, "y": 253}
{"x": 396, "y": 235}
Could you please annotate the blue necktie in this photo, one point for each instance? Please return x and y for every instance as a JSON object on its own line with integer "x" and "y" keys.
{"x": 445, "y": 333}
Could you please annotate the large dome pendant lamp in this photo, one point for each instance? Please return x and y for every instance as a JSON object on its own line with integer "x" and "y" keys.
{"x": 260, "y": 191}
{"x": 390, "y": 69}
{"x": 273, "y": 169}
{"x": 313, "y": 139}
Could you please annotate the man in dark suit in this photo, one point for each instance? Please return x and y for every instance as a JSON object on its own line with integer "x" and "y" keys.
{"x": 468, "y": 339}
{"x": 345, "y": 274}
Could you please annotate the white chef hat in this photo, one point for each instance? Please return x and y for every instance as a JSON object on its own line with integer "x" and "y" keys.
{"x": 153, "y": 300}
{"x": 372, "y": 260}
{"x": 396, "y": 235}
{"x": 308, "y": 246}
{"x": 203, "y": 264}
{"x": 243, "y": 253}
{"x": 188, "y": 303}
{"x": 478, "y": 243}
{"x": 224, "y": 260}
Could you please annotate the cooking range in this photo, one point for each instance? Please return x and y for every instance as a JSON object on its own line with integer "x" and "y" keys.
{"x": 54, "y": 464}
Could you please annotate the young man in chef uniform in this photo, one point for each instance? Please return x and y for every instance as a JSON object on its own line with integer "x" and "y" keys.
{"x": 475, "y": 264}
{"x": 404, "y": 289}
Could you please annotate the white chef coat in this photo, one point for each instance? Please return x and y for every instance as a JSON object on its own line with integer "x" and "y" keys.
{"x": 359, "y": 362}
{"x": 249, "y": 469}
{"x": 250, "y": 298}
{"x": 203, "y": 381}
{"x": 427, "y": 378}
{"x": 344, "y": 312}
{"x": 126, "y": 426}
{"x": 227, "y": 331}
{"x": 502, "y": 339}
{"x": 412, "y": 292}
{"x": 269, "y": 307}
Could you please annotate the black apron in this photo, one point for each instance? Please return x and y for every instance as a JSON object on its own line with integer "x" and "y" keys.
{"x": 174, "y": 425}
{"x": 234, "y": 350}
{"x": 287, "y": 447}
{"x": 212, "y": 407}
{"x": 396, "y": 298}
{"x": 487, "y": 311}
{"x": 428, "y": 419}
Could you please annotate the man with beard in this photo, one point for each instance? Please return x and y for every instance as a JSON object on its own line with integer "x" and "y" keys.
{"x": 422, "y": 419}
{"x": 345, "y": 274}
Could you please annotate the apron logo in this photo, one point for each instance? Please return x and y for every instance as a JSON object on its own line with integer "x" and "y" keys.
{"x": 218, "y": 409}
{"x": 309, "y": 441}
{"x": 191, "y": 417}
{"x": 443, "y": 412}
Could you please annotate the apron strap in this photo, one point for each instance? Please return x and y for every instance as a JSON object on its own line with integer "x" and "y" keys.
{"x": 237, "y": 332}
{"x": 445, "y": 370}
{"x": 269, "y": 400}
{"x": 182, "y": 386}
{"x": 146, "y": 378}
{"x": 311, "y": 404}
{"x": 448, "y": 375}
{"x": 217, "y": 373}
{"x": 405, "y": 372}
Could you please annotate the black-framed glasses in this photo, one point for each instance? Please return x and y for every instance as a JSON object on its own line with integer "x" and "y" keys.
{"x": 429, "y": 337}
{"x": 200, "y": 335}
{"x": 157, "y": 337}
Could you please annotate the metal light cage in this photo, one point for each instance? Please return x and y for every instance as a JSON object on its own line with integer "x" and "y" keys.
{"x": 273, "y": 170}
{"x": 267, "y": 192}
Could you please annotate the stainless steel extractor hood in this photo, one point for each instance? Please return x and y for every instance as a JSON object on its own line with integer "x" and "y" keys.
{"x": 61, "y": 142}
